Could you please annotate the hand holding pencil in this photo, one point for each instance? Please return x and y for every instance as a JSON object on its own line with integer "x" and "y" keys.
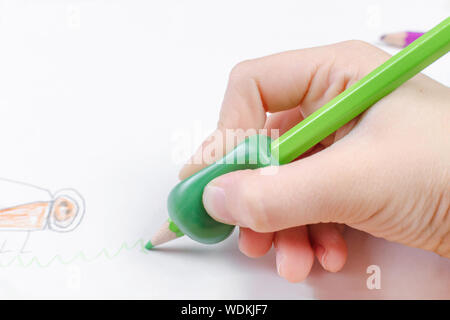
{"x": 399, "y": 147}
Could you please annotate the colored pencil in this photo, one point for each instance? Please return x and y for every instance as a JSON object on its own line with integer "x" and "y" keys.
{"x": 401, "y": 39}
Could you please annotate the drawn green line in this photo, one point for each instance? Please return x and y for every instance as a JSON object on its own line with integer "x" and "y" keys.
{"x": 17, "y": 260}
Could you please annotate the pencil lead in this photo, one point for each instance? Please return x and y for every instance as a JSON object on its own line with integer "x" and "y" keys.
{"x": 168, "y": 231}
{"x": 149, "y": 245}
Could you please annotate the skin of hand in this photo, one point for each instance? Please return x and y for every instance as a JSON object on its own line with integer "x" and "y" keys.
{"x": 386, "y": 173}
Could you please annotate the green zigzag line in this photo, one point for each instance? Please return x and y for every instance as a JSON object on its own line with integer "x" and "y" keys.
{"x": 79, "y": 256}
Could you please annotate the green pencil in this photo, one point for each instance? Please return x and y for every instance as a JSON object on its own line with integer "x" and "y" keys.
{"x": 185, "y": 201}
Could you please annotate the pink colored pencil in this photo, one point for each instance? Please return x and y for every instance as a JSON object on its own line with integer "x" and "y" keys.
{"x": 401, "y": 39}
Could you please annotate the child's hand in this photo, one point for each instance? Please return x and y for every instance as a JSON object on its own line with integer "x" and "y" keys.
{"x": 386, "y": 173}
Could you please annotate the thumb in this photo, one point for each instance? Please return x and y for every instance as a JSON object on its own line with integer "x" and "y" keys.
{"x": 334, "y": 185}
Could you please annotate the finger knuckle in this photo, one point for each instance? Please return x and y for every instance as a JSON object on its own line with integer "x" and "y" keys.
{"x": 240, "y": 70}
{"x": 356, "y": 44}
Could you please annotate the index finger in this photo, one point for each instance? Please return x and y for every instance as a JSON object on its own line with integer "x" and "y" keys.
{"x": 307, "y": 77}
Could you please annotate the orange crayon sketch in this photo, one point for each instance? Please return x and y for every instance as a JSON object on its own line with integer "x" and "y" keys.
{"x": 33, "y": 216}
{"x": 60, "y": 212}
{"x": 28, "y": 216}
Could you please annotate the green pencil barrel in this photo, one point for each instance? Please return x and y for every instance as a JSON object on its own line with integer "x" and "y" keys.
{"x": 356, "y": 99}
{"x": 185, "y": 203}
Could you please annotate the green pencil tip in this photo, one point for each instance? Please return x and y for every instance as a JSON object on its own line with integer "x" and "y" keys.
{"x": 149, "y": 245}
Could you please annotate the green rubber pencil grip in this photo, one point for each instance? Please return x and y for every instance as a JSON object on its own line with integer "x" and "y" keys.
{"x": 185, "y": 204}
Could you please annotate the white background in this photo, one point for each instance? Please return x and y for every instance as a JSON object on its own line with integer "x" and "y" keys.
{"x": 92, "y": 94}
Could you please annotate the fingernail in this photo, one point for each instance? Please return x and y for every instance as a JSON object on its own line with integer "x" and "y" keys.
{"x": 215, "y": 204}
{"x": 279, "y": 260}
{"x": 321, "y": 254}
